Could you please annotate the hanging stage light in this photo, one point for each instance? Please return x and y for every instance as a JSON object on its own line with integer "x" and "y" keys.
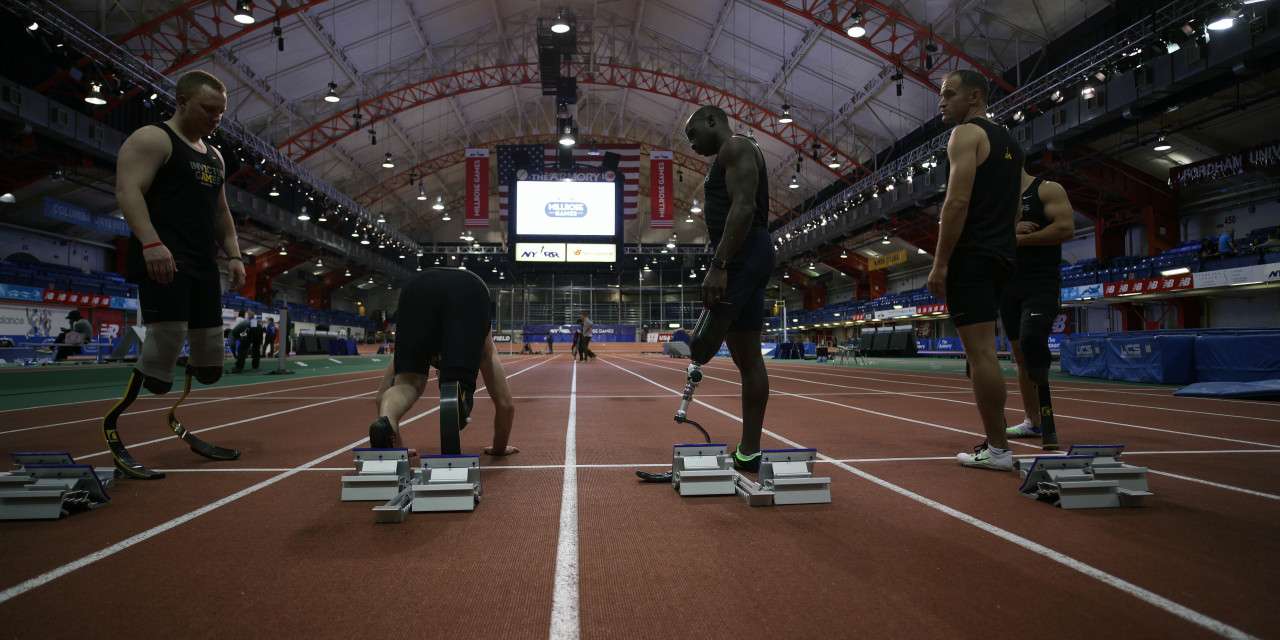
{"x": 560, "y": 25}
{"x": 387, "y": 163}
{"x": 566, "y": 137}
{"x": 856, "y": 28}
{"x": 439, "y": 205}
{"x": 244, "y": 12}
{"x": 422, "y": 192}
{"x": 95, "y": 94}
{"x": 795, "y": 182}
{"x": 785, "y": 118}
{"x": 332, "y": 95}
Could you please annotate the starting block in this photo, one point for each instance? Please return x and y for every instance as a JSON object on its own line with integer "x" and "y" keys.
{"x": 46, "y": 485}
{"x": 1088, "y": 477}
{"x": 702, "y": 470}
{"x": 786, "y": 477}
{"x": 449, "y": 482}
{"x": 380, "y": 474}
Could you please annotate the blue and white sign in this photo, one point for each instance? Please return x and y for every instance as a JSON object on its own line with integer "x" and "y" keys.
{"x": 1082, "y": 292}
{"x": 81, "y": 217}
{"x": 19, "y": 292}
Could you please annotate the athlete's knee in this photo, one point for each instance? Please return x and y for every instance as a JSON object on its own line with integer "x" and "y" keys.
{"x": 205, "y": 375}
{"x": 154, "y": 385}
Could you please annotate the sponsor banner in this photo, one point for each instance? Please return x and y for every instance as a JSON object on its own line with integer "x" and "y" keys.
{"x": 1252, "y": 274}
{"x": 591, "y": 252}
{"x": 540, "y": 252}
{"x": 81, "y": 217}
{"x": 662, "y": 189}
{"x": 19, "y": 292}
{"x": 501, "y": 337}
{"x": 76, "y": 298}
{"x": 599, "y": 332}
{"x": 1259, "y": 158}
{"x": 477, "y": 188}
{"x": 930, "y": 309}
{"x": 887, "y": 260}
{"x": 904, "y": 312}
{"x": 130, "y": 304}
{"x": 1082, "y": 292}
{"x": 1146, "y": 285}
{"x": 108, "y": 323}
{"x": 31, "y": 321}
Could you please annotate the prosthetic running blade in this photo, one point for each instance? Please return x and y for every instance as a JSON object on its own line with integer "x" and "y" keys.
{"x": 210, "y": 451}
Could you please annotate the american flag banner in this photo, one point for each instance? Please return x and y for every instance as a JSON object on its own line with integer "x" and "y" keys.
{"x": 512, "y": 158}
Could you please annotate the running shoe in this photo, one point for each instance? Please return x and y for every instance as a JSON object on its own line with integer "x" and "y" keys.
{"x": 746, "y": 463}
{"x": 983, "y": 458}
{"x": 1023, "y": 430}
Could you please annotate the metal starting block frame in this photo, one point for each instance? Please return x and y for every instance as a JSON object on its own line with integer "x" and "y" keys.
{"x": 380, "y": 474}
{"x": 1090, "y": 476}
{"x": 448, "y": 482}
{"x": 702, "y": 470}
{"x": 46, "y": 485}
{"x": 786, "y": 475}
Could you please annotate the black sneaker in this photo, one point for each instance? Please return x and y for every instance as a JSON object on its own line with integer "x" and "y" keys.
{"x": 749, "y": 463}
{"x": 382, "y": 435}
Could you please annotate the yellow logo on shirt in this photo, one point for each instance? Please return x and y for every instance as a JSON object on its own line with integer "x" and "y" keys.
{"x": 1008, "y": 155}
{"x": 206, "y": 174}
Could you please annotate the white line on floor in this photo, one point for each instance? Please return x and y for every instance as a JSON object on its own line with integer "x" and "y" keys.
{"x": 564, "y": 601}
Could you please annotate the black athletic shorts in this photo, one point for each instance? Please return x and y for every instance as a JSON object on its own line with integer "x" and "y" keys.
{"x": 196, "y": 301}
{"x": 442, "y": 320}
{"x": 1026, "y": 304}
{"x": 975, "y": 285}
{"x": 749, "y": 273}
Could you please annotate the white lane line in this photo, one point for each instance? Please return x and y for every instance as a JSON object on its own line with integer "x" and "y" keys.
{"x": 938, "y": 426}
{"x": 542, "y": 467}
{"x": 564, "y": 601}
{"x": 201, "y": 389}
{"x": 1219, "y": 485}
{"x": 1151, "y": 598}
{"x": 1013, "y": 410}
{"x": 54, "y": 574}
{"x": 335, "y": 361}
{"x": 203, "y": 400}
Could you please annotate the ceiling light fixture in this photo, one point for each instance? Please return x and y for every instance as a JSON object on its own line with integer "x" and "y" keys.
{"x": 560, "y": 25}
{"x": 439, "y": 205}
{"x": 95, "y": 95}
{"x": 856, "y": 30}
{"x": 566, "y": 137}
{"x": 332, "y": 95}
{"x": 244, "y": 12}
{"x": 387, "y": 163}
{"x": 785, "y": 118}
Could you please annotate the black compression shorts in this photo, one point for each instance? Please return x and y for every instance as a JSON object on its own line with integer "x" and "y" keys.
{"x": 196, "y": 301}
{"x": 748, "y": 275}
{"x": 1025, "y": 304}
{"x": 975, "y": 285}
{"x": 442, "y": 320}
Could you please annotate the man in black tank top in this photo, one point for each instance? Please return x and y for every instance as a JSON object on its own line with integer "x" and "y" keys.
{"x": 1030, "y": 303}
{"x": 976, "y": 246}
{"x": 169, "y": 183}
{"x": 736, "y": 191}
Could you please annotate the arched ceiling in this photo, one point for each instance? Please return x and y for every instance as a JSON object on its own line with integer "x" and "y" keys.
{"x": 640, "y": 63}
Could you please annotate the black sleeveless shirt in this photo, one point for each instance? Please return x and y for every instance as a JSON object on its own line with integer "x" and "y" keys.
{"x": 989, "y": 227}
{"x": 1037, "y": 264}
{"x": 716, "y": 194}
{"x": 183, "y": 203}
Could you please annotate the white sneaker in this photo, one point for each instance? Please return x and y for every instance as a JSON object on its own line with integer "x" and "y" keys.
{"x": 1023, "y": 430}
{"x": 983, "y": 458}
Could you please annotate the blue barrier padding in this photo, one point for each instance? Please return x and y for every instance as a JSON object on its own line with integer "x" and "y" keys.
{"x": 924, "y": 344}
{"x": 1084, "y": 355}
{"x": 1262, "y": 389}
{"x": 1055, "y": 342}
{"x": 948, "y": 344}
{"x": 1161, "y": 359}
{"x": 1237, "y": 358}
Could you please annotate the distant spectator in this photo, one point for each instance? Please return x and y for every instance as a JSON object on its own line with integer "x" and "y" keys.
{"x": 1226, "y": 246}
{"x": 551, "y": 338}
{"x": 71, "y": 340}
{"x": 1273, "y": 239}
{"x": 680, "y": 336}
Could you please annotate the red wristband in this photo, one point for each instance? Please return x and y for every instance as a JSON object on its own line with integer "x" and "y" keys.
{"x": 153, "y": 245}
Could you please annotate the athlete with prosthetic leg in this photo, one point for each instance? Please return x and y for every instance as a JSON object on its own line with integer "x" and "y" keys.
{"x": 1031, "y": 301}
{"x": 169, "y": 183}
{"x": 736, "y": 192}
{"x": 443, "y": 321}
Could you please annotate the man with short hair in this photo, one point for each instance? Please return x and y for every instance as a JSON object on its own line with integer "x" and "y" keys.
{"x": 1031, "y": 301}
{"x": 169, "y": 185}
{"x": 736, "y": 193}
{"x": 976, "y": 246}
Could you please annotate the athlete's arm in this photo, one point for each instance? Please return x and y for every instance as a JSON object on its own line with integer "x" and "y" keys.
{"x": 140, "y": 157}
{"x": 1057, "y": 209}
{"x": 740, "y": 176}
{"x": 226, "y": 230}
{"x": 962, "y": 156}
{"x": 504, "y": 409}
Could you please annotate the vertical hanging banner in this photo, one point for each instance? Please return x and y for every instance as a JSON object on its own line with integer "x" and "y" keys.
{"x": 477, "y": 187}
{"x": 662, "y": 189}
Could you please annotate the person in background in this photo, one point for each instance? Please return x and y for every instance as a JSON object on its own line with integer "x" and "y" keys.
{"x": 1226, "y": 245}
{"x": 270, "y": 336}
{"x": 72, "y": 340}
{"x": 550, "y": 341}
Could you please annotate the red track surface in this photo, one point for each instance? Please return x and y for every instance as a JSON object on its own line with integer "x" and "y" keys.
{"x": 908, "y": 548}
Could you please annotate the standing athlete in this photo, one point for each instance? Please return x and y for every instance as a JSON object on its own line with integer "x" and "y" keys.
{"x": 1030, "y": 303}
{"x": 169, "y": 183}
{"x": 443, "y": 321}
{"x": 736, "y": 192}
{"x": 976, "y": 246}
